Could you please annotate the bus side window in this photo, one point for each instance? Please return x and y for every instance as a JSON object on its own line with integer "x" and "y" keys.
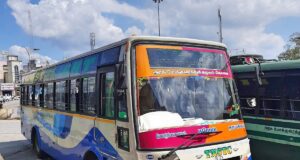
{"x": 31, "y": 95}
{"x": 41, "y": 95}
{"x": 292, "y": 89}
{"x": 122, "y": 106}
{"x": 107, "y": 95}
{"x": 60, "y": 95}
{"x": 270, "y": 96}
{"x": 74, "y": 95}
{"x": 45, "y": 95}
{"x": 49, "y": 95}
{"x": 247, "y": 90}
{"x": 36, "y": 95}
{"x": 88, "y": 100}
{"x": 22, "y": 94}
{"x": 26, "y": 95}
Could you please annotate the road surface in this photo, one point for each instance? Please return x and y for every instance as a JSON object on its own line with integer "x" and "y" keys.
{"x": 13, "y": 145}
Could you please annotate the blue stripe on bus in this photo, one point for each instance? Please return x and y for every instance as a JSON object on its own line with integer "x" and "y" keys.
{"x": 88, "y": 143}
{"x": 250, "y": 157}
{"x": 62, "y": 125}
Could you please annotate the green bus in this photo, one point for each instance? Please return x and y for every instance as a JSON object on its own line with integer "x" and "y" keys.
{"x": 269, "y": 95}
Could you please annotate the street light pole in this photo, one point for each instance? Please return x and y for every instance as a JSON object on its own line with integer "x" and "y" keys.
{"x": 158, "y": 18}
{"x": 220, "y": 25}
{"x": 27, "y": 53}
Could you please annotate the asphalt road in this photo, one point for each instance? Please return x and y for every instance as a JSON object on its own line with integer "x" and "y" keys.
{"x": 13, "y": 145}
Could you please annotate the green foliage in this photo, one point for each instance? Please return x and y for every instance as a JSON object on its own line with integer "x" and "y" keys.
{"x": 292, "y": 48}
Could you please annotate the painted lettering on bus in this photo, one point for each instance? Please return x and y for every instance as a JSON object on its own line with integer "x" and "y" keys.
{"x": 237, "y": 126}
{"x": 207, "y": 130}
{"x": 170, "y": 135}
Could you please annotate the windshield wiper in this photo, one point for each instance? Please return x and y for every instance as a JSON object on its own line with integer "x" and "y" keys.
{"x": 184, "y": 143}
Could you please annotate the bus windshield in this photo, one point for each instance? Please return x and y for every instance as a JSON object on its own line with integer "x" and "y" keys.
{"x": 190, "y": 97}
{"x": 190, "y": 81}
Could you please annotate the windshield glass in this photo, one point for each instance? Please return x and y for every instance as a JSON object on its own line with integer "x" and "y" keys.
{"x": 190, "y": 97}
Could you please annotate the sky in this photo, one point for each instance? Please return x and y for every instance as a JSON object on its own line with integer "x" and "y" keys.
{"x": 61, "y": 28}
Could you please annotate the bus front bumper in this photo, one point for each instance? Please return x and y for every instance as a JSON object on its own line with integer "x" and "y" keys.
{"x": 231, "y": 150}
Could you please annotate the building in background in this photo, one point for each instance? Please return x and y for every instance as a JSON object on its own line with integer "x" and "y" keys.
{"x": 32, "y": 65}
{"x": 10, "y": 75}
{"x": 3, "y": 71}
{"x": 13, "y": 67}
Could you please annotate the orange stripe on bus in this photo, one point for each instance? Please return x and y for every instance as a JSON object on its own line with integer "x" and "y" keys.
{"x": 225, "y": 133}
{"x": 162, "y": 47}
{"x": 106, "y": 120}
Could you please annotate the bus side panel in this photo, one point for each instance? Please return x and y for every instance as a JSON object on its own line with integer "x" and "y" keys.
{"x": 75, "y": 135}
{"x": 28, "y": 115}
{"x": 70, "y": 136}
{"x": 105, "y": 130}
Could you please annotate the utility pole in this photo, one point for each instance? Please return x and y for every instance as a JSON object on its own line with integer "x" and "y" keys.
{"x": 220, "y": 25}
{"x": 30, "y": 29}
{"x": 158, "y": 19}
{"x": 92, "y": 40}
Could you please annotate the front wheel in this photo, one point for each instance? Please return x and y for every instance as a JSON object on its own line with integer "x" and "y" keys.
{"x": 90, "y": 156}
{"x": 36, "y": 147}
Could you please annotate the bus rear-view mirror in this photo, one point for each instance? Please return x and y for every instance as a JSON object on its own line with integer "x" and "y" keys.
{"x": 251, "y": 102}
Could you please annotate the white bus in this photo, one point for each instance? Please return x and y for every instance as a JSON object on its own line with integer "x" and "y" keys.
{"x": 145, "y": 98}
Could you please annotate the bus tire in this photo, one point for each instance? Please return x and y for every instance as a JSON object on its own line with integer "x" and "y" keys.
{"x": 36, "y": 146}
{"x": 90, "y": 156}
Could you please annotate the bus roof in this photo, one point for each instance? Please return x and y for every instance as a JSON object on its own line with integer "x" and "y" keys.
{"x": 174, "y": 39}
{"x": 131, "y": 39}
{"x": 268, "y": 66}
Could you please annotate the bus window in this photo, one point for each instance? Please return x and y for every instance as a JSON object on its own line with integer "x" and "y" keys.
{"x": 60, "y": 99}
{"x": 121, "y": 94}
{"x": 45, "y": 95}
{"x": 107, "y": 95}
{"x": 122, "y": 106}
{"x": 22, "y": 95}
{"x": 41, "y": 95}
{"x": 49, "y": 95}
{"x": 123, "y": 138}
{"x": 270, "y": 96}
{"x": 36, "y": 95}
{"x": 88, "y": 101}
{"x": 74, "y": 96}
{"x": 31, "y": 95}
{"x": 293, "y": 97}
{"x": 247, "y": 92}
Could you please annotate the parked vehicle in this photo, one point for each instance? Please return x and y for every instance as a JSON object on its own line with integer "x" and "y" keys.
{"x": 7, "y": 98}
{"x": 140, "y": 98}
{"x": 270, "y": 101}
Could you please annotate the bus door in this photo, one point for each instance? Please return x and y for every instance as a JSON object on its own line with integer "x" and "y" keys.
{"x": 105, "y": 124}
{"x": 113, "y": 125}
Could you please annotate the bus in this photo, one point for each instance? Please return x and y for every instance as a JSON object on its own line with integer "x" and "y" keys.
{"x": 269, "y": 94}
{"x": 142, "y": 98}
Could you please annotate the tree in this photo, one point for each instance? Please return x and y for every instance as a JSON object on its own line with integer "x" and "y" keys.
{"x": 292, "y": 50}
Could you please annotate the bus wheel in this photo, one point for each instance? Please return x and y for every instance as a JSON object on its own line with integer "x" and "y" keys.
{"x": 36, "y": 146}
{"x": 90, "y": 156}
